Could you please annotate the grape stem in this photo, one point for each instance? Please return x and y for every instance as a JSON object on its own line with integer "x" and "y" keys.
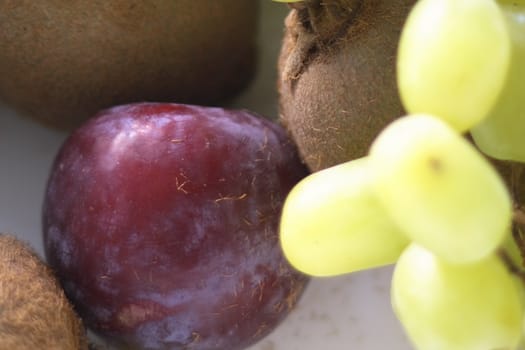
{"x": 519, "y": 216}
{"x": 518, "y": 223}
{"x": 511, "y": 265}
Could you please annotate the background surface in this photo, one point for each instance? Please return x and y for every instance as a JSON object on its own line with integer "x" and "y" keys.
{"x": 348, "y": 312}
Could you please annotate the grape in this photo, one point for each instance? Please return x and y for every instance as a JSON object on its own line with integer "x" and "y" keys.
{"x": 448, "y": 306}
{"x": 452, "y": 59}
{"x": 500, "y": 135}
{"x": 441, "y": 192}
{"x": 332, "y": 223}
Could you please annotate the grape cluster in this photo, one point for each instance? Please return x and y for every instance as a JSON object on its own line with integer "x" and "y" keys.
{"x": 425, "y": 198}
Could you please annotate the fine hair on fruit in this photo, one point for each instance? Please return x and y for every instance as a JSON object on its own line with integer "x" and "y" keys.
{"x": 337, "y": 79}
{"x": 161, "y": 221}
{"x": 61, "y": 62}
{"x": 34, "y": 312}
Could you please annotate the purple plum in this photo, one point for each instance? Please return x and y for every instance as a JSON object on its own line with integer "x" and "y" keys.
{"x": 161, "y": 222}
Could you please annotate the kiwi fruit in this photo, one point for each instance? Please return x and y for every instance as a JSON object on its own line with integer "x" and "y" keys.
{"x": 34, "y": 312}
{"x": 62, "y": 61}
{"x": 337, "y": 77}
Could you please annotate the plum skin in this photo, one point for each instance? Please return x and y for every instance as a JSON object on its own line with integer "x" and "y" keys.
{"x": 161, "y": 222}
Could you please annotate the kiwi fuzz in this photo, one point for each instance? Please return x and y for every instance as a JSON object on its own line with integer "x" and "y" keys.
{"x": 318, "y": 25}
{"x": 61, "y": 63}
{"x": 337, "y": 76}
{"x": 326, "y": 19}
{"x": 34, "y": 312}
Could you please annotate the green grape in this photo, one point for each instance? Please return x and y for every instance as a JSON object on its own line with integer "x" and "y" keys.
{"x": 452, "y": 59}
{"x": 445, "y": 306}
{"x": 502, "y": 134}
{"x": 332, "y": 223}
{"x": 439, "y": 190}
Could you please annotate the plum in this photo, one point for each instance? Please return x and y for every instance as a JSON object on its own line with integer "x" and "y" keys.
{"x": 161, "y": 222}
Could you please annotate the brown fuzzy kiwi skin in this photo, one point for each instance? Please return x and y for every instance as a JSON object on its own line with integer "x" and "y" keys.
{"x": 62, "y": 61}
{"x": 337, "y": 77}
{"x": 34, "y": 312}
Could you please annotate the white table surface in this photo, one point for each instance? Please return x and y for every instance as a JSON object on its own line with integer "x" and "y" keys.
{"x": 347, "y": 312}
